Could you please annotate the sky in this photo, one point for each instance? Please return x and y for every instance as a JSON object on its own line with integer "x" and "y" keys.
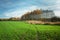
{"x": 16, "y": 8}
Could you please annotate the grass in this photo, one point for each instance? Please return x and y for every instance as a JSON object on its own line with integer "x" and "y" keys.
{"x": 17, "y": 30}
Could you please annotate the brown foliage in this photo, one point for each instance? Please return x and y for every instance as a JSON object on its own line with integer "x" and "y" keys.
{"x": 26, "y": 16}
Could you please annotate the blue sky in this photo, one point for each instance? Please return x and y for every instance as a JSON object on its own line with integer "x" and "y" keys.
{"x": 16, "y": 8}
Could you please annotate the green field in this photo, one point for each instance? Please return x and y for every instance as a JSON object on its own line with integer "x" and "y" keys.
{"x": 17, "y": 30}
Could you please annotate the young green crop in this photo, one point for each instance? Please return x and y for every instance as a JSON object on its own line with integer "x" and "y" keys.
{"x": 17, "y": 30}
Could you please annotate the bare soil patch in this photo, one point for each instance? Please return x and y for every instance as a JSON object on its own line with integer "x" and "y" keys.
{"x": 41, "y": 22}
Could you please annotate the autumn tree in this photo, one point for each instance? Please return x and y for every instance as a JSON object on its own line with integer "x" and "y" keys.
{"x": 28, "y": 14}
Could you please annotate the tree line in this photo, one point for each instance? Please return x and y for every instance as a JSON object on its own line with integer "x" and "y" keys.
{"x": 27, "y": 16}
{"x": 10, "y": 19}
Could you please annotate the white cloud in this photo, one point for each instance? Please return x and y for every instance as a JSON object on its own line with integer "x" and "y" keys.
{"x": 57, "y": 7}
{"x": 57, "y": 13}
{"x": 20, "y": 12}
{"x": 58, "y": 4}
{"x": 52, "y": 5}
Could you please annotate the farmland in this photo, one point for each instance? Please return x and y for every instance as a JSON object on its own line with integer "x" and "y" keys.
{"x": 18, "y": 30}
